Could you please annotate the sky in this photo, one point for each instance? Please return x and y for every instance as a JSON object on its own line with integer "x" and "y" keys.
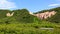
{"x": 31, "y": 5}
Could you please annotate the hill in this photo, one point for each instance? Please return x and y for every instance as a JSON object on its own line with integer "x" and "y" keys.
{"x": 20, "y": 15}
{"x": 53, "y": 18}
{"x": 22, "y": 21}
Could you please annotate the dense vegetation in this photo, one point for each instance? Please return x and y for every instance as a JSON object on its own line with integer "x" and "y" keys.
{"x": 55, "y": 18}
{"x": 24, "y": 23}
{"x": 29, "y": 28}
{"x": 19, "y": 16}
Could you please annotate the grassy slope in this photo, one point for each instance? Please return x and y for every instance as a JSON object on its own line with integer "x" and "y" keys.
{"x": 29, "y": 28}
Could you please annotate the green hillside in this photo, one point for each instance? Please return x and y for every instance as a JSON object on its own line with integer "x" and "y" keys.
{"x": 55, "y": 18}
{"x": 19, "y": 16}
{"x": 21, "y": 22}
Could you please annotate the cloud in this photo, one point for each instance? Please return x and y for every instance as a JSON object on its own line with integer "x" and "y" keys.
{"x": 4, "y": 4}
{"x": 54, "y": 5}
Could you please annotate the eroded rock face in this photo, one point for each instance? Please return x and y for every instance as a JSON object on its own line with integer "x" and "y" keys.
{"x": 9, "y": 15}
{"x": 31, "y": 13}
{"x": 45, "y": 15}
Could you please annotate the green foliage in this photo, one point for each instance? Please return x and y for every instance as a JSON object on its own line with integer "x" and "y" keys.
{"x": 20, "y": 15}
{"x": 56, "y": 17}
{"x": 24, "y": 23}
{"x": 41, "y": 11}
{"x": 29, "y": 28}
{"x": 22, "y": 12}
{"x": 7, "y": 20}
{"x": 57, "y": 9}
{"x": 24, "y": 16}
{"x": 3, "y": 13}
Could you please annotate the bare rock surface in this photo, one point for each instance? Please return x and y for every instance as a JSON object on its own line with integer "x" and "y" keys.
{"x": 45, "y": 15}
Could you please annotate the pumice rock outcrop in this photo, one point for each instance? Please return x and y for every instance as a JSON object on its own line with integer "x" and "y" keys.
{"x": 9, "y": 15}
{"x": 31, "y": 13}
{"x": 45, "y": 15}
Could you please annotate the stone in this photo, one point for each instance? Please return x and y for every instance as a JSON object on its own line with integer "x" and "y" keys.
{"x": 9, "y": 15}
{"x": 45, "y": 15}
